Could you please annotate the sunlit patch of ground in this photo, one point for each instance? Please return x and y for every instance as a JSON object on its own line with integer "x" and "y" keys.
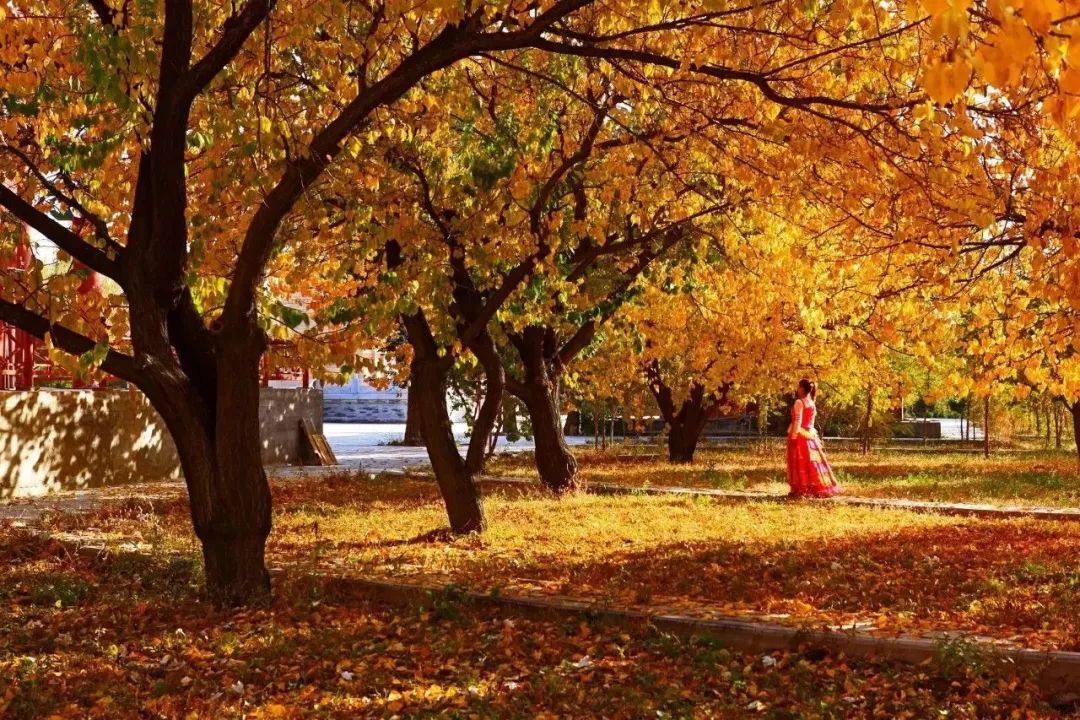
{"x": 1024, "y": 478}
{"x": 804, "y": 563}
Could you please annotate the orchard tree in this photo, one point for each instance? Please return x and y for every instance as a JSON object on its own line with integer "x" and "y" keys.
{"x": 762, "y": 130}
{"x": 614, "y": 193}
{"x": 744, "y": 320}
{"x": 197, "y": 144}
{"x": 186, "y": 139}
{"x": 487, "y": 214}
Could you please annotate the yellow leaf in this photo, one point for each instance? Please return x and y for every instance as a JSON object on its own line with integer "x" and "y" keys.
{"x": 1069, "y": 81}
{"x": 1040, "y": 14}
{"x": 945, "y": 80}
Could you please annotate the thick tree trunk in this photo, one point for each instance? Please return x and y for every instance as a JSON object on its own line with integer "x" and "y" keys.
{"x": 683, "y": 436}
{"x": 206, "y": 387}
{"x": 413, "y": 436}
{"x": 555, "y": 464}
{"x": 457, "y": 483}
{"x": 235, "y": 536}
{"x": 218, "y": 443}
{"x": 538, "y": 392}
{"x": 685, "y": 424}
{"x": 431, "y": 366}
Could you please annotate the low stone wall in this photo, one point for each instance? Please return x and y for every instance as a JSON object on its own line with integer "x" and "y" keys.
{"x": 364, "y": 410}
{"x": 280, "y": 412}
{"x": 69, "y": 439}
{"x": 917, "y": 429}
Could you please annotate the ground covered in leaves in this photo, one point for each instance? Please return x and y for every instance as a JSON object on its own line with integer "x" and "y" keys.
{"x": 1014, "y": 477}
{"x": 808, "y": 564}
{"x": 126, "y": 635}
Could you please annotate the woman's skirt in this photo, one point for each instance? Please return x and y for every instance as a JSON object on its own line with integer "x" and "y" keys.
{"x": 808, "y": 471}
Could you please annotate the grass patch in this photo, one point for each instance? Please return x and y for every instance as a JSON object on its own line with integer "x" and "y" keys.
{"x": 1015, "y": 478}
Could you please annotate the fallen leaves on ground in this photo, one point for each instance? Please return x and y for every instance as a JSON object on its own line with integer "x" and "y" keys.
{"x": 806, "y": 564}
{"x": 126, "y": 635}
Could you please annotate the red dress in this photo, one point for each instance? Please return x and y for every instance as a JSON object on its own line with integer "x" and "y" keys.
{"x": 808, "y": 471}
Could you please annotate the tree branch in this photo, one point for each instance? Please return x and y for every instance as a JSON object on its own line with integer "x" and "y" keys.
{"x": 585, "y": 333}
{"x": 106, "y": 15}
{"x": 719, "y": 72}
{"x": 101, "y": 229}
{"x": 579, "y": 156}
{"x": 452, "y": 44}
{"x": 69, "y": 242}
{"x": 116, "y": 363}
{"x": 235, "y": 32}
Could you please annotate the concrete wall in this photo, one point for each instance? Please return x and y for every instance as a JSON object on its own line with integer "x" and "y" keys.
{"x": 358, "y": 402}
{"x": 280, "y": 412}
{"x": 68, "y": 439}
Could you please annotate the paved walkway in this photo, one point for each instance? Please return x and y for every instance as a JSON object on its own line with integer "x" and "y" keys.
{"x": 25, "y": 511}
{"x": 357, "y": 446}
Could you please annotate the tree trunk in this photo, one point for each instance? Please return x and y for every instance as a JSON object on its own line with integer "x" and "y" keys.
{"x": 456, "y": 482}
{"x": 413, "y": 436}
{"x": 539, "y": 392}
{"x": 1074, "y": 410}
{"x": 686, "y": 424}
{"x": 986, "y": 426}
{"x": 572, "y": 426}
{"x": 683, "y": 436}
{"x": 555, "y": 463}
{"x": 205, "y": 385}
{"x": 1057, "y": 427}
{"x": 230, "y": 510}
{"x": 215, "y": 427}
{"x": 235, "y": 538}
{"x": 969, "y": 433}
{"x": 1046, "y": 442}
{"x": 867, "y": 420}
{"x": 511, "y": 428}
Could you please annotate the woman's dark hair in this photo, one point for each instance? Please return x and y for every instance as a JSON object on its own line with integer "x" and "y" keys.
{"x": 809, "y": 387}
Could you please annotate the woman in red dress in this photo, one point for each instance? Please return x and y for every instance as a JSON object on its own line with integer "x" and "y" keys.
{"x": 808, "y": 472}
